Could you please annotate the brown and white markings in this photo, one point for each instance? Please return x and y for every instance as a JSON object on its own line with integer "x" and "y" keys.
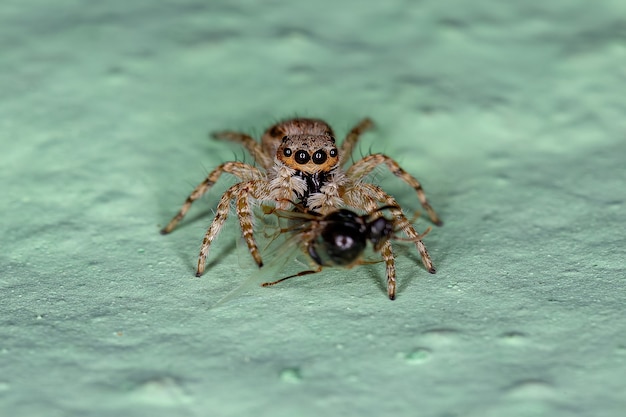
{"x": 298, "y": 161}
{"x": 340, "y": 238}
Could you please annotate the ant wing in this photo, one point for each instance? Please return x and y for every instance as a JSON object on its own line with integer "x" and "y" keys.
{"x": 279, "y": 238}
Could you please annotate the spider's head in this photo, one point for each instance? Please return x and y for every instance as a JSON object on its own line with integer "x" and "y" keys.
{"x": 308, "y": 153}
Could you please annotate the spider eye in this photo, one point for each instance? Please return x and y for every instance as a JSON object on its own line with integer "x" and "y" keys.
{"x": 285, "y": 138}
{"x": 287, "y": 151}
{"x": 319, "y": 157}
{"x": 333, "y": 152}
{"x": 302, "y": 157}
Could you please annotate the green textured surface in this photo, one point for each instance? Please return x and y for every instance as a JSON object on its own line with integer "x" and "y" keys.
{"x": 511, "y": 114}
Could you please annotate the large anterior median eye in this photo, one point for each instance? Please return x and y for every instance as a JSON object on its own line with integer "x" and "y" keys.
{"x": 302, "y": 157}
{"x": 319, "y": 157}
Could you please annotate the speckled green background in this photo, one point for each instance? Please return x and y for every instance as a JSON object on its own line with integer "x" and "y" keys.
{"x": 511, "y": 114}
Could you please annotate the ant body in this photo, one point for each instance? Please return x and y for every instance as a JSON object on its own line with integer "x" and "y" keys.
{"x": 340, "y": 238}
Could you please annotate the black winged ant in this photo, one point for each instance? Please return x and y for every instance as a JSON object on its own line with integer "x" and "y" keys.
{"x": 339, "y": 238}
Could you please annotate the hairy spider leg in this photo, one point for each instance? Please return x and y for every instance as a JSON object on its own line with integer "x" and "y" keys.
{"x": 376, "y": 194}
{"x": 352, "y": 138}
{"x": 370, "y": 196}
{"x": 241, "y": 170}
{"x": 366, "y": 165}
{"x": 242, "y": 192}
{"x": 251, "y": 145}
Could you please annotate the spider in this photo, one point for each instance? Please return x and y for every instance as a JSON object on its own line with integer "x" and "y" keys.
{"x": 339, "y": 238}
{"x": 298, "y": 161}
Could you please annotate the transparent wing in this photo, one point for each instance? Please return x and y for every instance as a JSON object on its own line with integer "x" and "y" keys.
{"x": 279, "y": 237}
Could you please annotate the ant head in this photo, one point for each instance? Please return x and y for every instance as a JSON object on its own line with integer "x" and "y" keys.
{"x": 379, "y": 231}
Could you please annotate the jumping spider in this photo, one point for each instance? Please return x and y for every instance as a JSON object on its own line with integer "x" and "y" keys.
{"x": 340, "y": 238}
{"x": 298, "y": 161}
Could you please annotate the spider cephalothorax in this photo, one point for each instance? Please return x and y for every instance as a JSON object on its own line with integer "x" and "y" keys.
{"x": 313, "y": 157}
{"x": 298, "y": 162}
{"x": 308, "y": 154}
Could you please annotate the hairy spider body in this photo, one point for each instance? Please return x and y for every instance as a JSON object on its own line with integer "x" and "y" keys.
{"x": 298, "y": 162}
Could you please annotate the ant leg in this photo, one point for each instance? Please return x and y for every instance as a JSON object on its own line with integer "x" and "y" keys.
{"x": 299, "y": 274}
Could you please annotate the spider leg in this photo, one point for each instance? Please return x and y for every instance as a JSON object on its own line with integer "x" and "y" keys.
{"x": 251, "y": 145}
{"x": 240, "y": 191}
{"x": 386, "y": 251}
{"x": 366, "y": 195}
{"x": 238, "y": 169}
{"x": 364, "y": 166}
{"x": 390, "y": 262}
{"x": 246, "y": 217}
{"x": 221, "y": 214}
{"x": 352, "y": 138}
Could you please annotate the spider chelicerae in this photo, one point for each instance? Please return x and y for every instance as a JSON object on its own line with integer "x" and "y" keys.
{"x": 298, "y": 161}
